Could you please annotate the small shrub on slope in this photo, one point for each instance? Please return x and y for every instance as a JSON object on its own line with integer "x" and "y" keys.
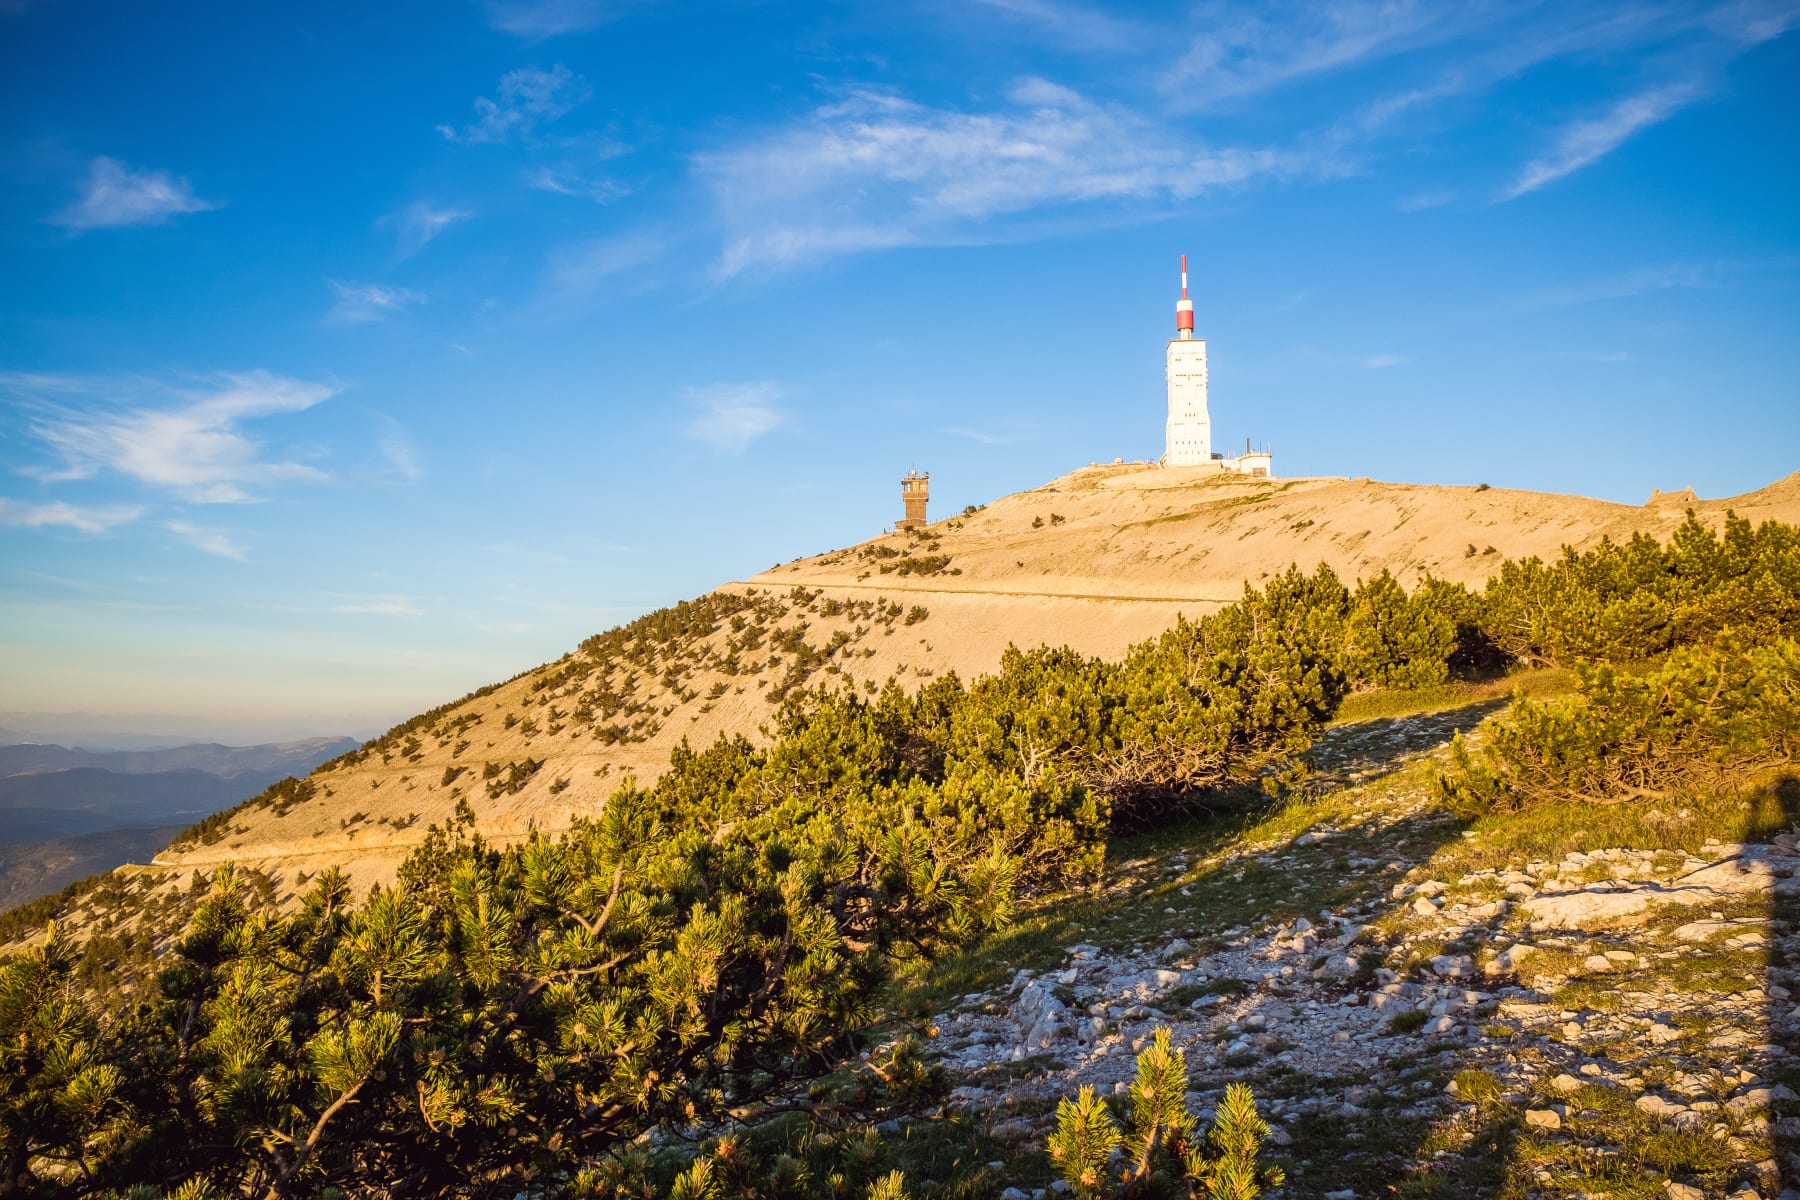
{"x": 1395, "y": 640}
{"x": 1160, "y": 1145}
{"x": 1622, "y": 602}
{"x": 1693, "y": 719}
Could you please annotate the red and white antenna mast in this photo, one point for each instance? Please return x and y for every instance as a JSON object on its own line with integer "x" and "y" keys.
{"x": 1184, "y": 308}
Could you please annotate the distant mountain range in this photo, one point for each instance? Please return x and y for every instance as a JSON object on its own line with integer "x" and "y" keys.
{"x": 226, "y": 762}
{"x": 67, "y": 813}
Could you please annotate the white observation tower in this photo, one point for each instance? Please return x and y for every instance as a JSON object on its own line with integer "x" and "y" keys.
{"x": 1190, "y": 428}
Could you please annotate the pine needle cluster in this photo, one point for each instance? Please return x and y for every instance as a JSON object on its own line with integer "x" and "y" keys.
{"x": 1159, "y": 1152}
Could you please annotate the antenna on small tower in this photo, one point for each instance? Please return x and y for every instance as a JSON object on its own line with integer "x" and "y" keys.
{"x": 1184, "y": 308}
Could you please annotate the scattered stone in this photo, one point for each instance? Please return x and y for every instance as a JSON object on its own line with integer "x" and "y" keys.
{"x": 1543, "y": 1118}
{"x": 1040, "y": 1017}
{"x": 1508, "y": 960}
{"x": 1702, "y": 931}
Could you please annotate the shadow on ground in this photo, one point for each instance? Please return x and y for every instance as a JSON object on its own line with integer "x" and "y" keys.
{"x": 1318, "y": 859}
{"x": 1781, "y": 983}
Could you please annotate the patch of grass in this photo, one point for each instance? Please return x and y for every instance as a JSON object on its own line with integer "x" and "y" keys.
{"x": 1034, "y": 940}
{"x": 1690, "y": 1150}
{"x": 1408, "y": 1020}
{"x": 1477, "y": 1086}
{"x": 1549, "y": 963}
{"x": 999, "y": 1074}
{"x": 1184, "y": 995}
{"x": 1601, "y": 993}
{"x": 1551, "y": 831}
{"x": 1537, "y": 683}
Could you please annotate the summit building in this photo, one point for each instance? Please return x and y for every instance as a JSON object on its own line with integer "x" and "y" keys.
{"x": 1188, "y": 436}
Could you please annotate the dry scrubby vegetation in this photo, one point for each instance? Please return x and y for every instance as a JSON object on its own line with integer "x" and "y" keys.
{"x": 618, "y": 687}
{"x": 691, "y": 995}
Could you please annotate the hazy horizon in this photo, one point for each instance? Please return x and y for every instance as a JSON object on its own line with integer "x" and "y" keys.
{"x": 156, "y": 731}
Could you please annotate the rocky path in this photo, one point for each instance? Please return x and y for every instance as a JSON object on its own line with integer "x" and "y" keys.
{"x": 1615, "y": 1021}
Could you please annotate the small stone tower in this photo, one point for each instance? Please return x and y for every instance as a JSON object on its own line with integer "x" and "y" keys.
{"x": 914, "y": 490}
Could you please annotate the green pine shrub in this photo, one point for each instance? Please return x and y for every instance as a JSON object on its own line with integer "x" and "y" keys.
{"x": 1163, "y": 1152}
{"x": 1398, "y": 641}
{"x": 1695, "y": 718}
{"x": 1624, "y": 602}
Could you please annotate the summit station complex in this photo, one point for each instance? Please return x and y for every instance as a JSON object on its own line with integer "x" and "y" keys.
{"x": 1189, "y": 433}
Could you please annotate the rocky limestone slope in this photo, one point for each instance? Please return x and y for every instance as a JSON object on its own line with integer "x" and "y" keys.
{"x": 1522, "y": 1008}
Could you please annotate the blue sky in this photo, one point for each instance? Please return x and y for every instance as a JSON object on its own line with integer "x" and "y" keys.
{"x": 355, "y": 356}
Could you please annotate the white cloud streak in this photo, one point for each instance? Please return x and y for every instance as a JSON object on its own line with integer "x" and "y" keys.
{"x": 1635, "y": 282}
{"x": 526, "y": 97}
{"x": 195, "y": 448}
{"x": 1069, "y": 24}
{"x": 732, "y": 415}
{"x": 538, "y": 19}
{"x": 1245, "y": 52}
{"x": 362, "y": 302}
{"x": 566, "y": 182}
{"x": 1421, "y": 201}
{"x": 207, "y": 541}
{"x": 586, "y": 265}
{"x": 878, "y": 171}
{"x": 1376, "y": 362}
{"x": 90, "y": 519}
{"x": 397, "y": 448}
{"x": 114, "y": 195}
{"x": 1586, "y": 142}
{"x": 420, "y": 222}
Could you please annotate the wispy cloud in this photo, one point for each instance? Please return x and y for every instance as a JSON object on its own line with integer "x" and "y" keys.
{"x": 397, "y": 448}
{"x": 526, "y": 98}
{"x": 878, "y": 171}
{"x": 379, "y": 606}
{"x": 208, "y": 541}
{"x": 1243, "y": 52}
{"x": 420, "y": 222}
{"x": 1635, "y": 282}
{"x": 1070, "y": 24}
{"x": 547, "y": 18}
{"x": 1586, "y": 142}
{"x": 89, "y": 519}
{"x": 192, "y": 444}
{"x": 585, "y": 265}
{"x": 1420, "y": 201}
{"x": 1375, "y": 362}
{"x": 114, "y": 194}
{"x": 567, "y": 182}
{"x": 1752, "y": 22}
{"x": 359, "y": 302}
{"x": 732, "y": 415}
